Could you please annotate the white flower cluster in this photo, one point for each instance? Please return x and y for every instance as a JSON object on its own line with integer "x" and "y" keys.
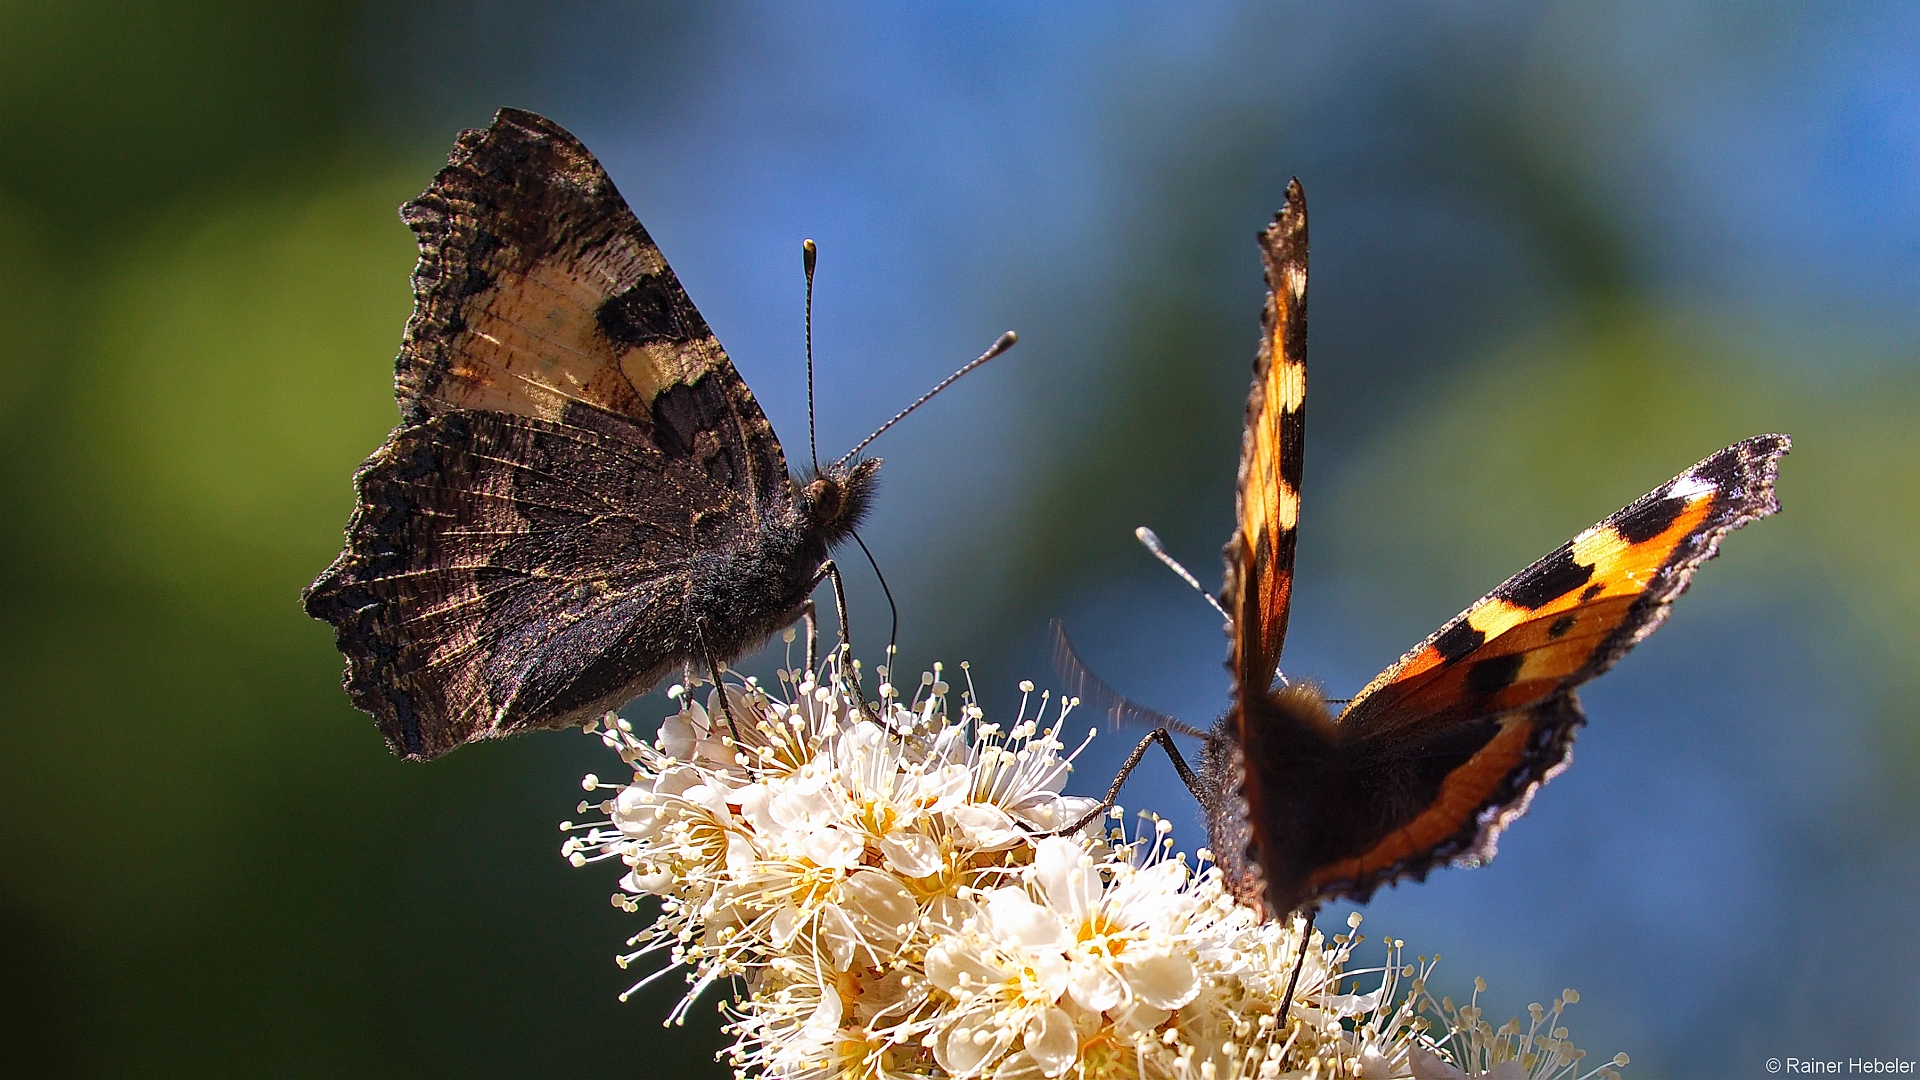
{"x": 882, "y": 886}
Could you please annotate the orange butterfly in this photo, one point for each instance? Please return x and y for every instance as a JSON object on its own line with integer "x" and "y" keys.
{"x": 1445, "y": 748}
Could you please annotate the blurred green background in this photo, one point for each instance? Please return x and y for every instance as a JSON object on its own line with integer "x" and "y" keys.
{"x": 1560, "y": 253}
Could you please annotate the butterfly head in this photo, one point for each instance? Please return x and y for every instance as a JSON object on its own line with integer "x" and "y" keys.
{"x": 833, "y": 499}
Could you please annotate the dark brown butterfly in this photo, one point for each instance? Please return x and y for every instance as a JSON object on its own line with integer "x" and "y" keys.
{"x": 1444, "y": 749}
{"x": 582, "y": 494}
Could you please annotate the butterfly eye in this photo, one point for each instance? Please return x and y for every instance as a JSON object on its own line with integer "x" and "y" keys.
{"x": 825, "y": 497}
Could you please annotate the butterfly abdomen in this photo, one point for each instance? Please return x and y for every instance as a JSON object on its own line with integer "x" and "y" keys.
{"x": 1279, "y": 749}
{"x": 737, "y": 597}
{"x": 741, "y": 594}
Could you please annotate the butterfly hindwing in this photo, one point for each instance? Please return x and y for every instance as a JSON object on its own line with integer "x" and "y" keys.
{"x": 1259, "y": 585}
{"x": 1463, "y": 729}
{"x": 504, "y": 573}
{"x": 1440, "y": 800}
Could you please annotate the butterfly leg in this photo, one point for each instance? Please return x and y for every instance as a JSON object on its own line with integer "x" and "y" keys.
{"x": 1159, "y": 735}
{"x": 807, "y": 615}
{"x": 719, "y": 688}
{"x": 1306, "y": 934}
{"x": 829, "y": 572}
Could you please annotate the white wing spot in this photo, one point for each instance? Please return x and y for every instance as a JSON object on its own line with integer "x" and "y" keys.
{"x": 1687, "y": 485}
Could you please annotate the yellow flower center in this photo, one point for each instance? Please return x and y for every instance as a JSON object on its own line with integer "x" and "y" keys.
{"x": 1099, "y": 934}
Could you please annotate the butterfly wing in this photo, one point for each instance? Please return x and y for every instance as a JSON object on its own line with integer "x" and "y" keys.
{"x": 537, "y": 290}
{"x": 573, "y": 439}
{"x": 1089, "y": 689}
{"x": 1448, "y": 745}
{"x": 1259, "y": 555}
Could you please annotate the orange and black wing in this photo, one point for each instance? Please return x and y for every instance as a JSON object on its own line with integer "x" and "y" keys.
{"x": 1452, "y": 741}
{"x": 1259, "y": 556}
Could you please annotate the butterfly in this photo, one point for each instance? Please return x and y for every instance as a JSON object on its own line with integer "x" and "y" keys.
{"x": 1444, "y": 749}
{"x": 582, "y": 495}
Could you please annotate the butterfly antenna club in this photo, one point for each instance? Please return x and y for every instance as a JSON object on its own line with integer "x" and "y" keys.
{"x": 1151, "y": 541}
{"x": 1006, "y": 341}
{"x": 810, "y": 254}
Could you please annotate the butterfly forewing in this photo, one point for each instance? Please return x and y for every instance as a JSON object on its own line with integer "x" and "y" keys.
{"x": 1259, "y": 556}
{"x": 1571, "y": 615}
{"x": 1462, "y": 730}
{"x": 537, "y": 289}
{"x": 1244, "y": 818}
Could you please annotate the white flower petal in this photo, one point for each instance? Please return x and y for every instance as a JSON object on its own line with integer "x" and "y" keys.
{"x": 1164, "y": 982}
{"x": 985, "y": 826}
{"x": 945, "y": 786}
{"x": 1047, "y": 811}
{"x": 947, "y": 913}
{"x": 1351, "y": 1004}
{"x": 637, "y": 812}
{"x": 883, "y": 906}
{"x": 962, "y": 1054}
{"x": 712, "y": 745}
{"x": 676, "y": 737}
{"x": 911, "y": 854}
{"x": 879, "y": 996}
{"x": 786, "y": 922}
{"x": 824, "y": 1024}
{"x": 1017, "y": 920}
{"x": 710, "y": 798}
{"x": 951, "y": 746}
{"x": 1019, "y": 1065}
{"x": 753, "y": 808}
{"x": 948, "y": 960}
{"x": 803, "y": 802}
{"x": 839, "y": 934}
{"x": 1084, "y": 1022}
{"x": 677, "y": 779}
{"x": 1375, "y": 1065}
{"x": 1096, "y": 986}
{"x": 1140, "y": 1016}
{"x": 1052, "y": 1041}
{"x": 1051, "y": 971}
{"x": 1154, "y": 891}
{"x": 837, "y": 848}
{"x": 1427, "y": 1064}
{"x": 1065, "y": 874}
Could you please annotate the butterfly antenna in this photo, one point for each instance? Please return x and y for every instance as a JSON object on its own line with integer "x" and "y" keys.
{"x": 1151, "y": 542}
{"x": 893, "y": 638}
{"x": 1007, "y": 341}
{"x": 809, "y": 254}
